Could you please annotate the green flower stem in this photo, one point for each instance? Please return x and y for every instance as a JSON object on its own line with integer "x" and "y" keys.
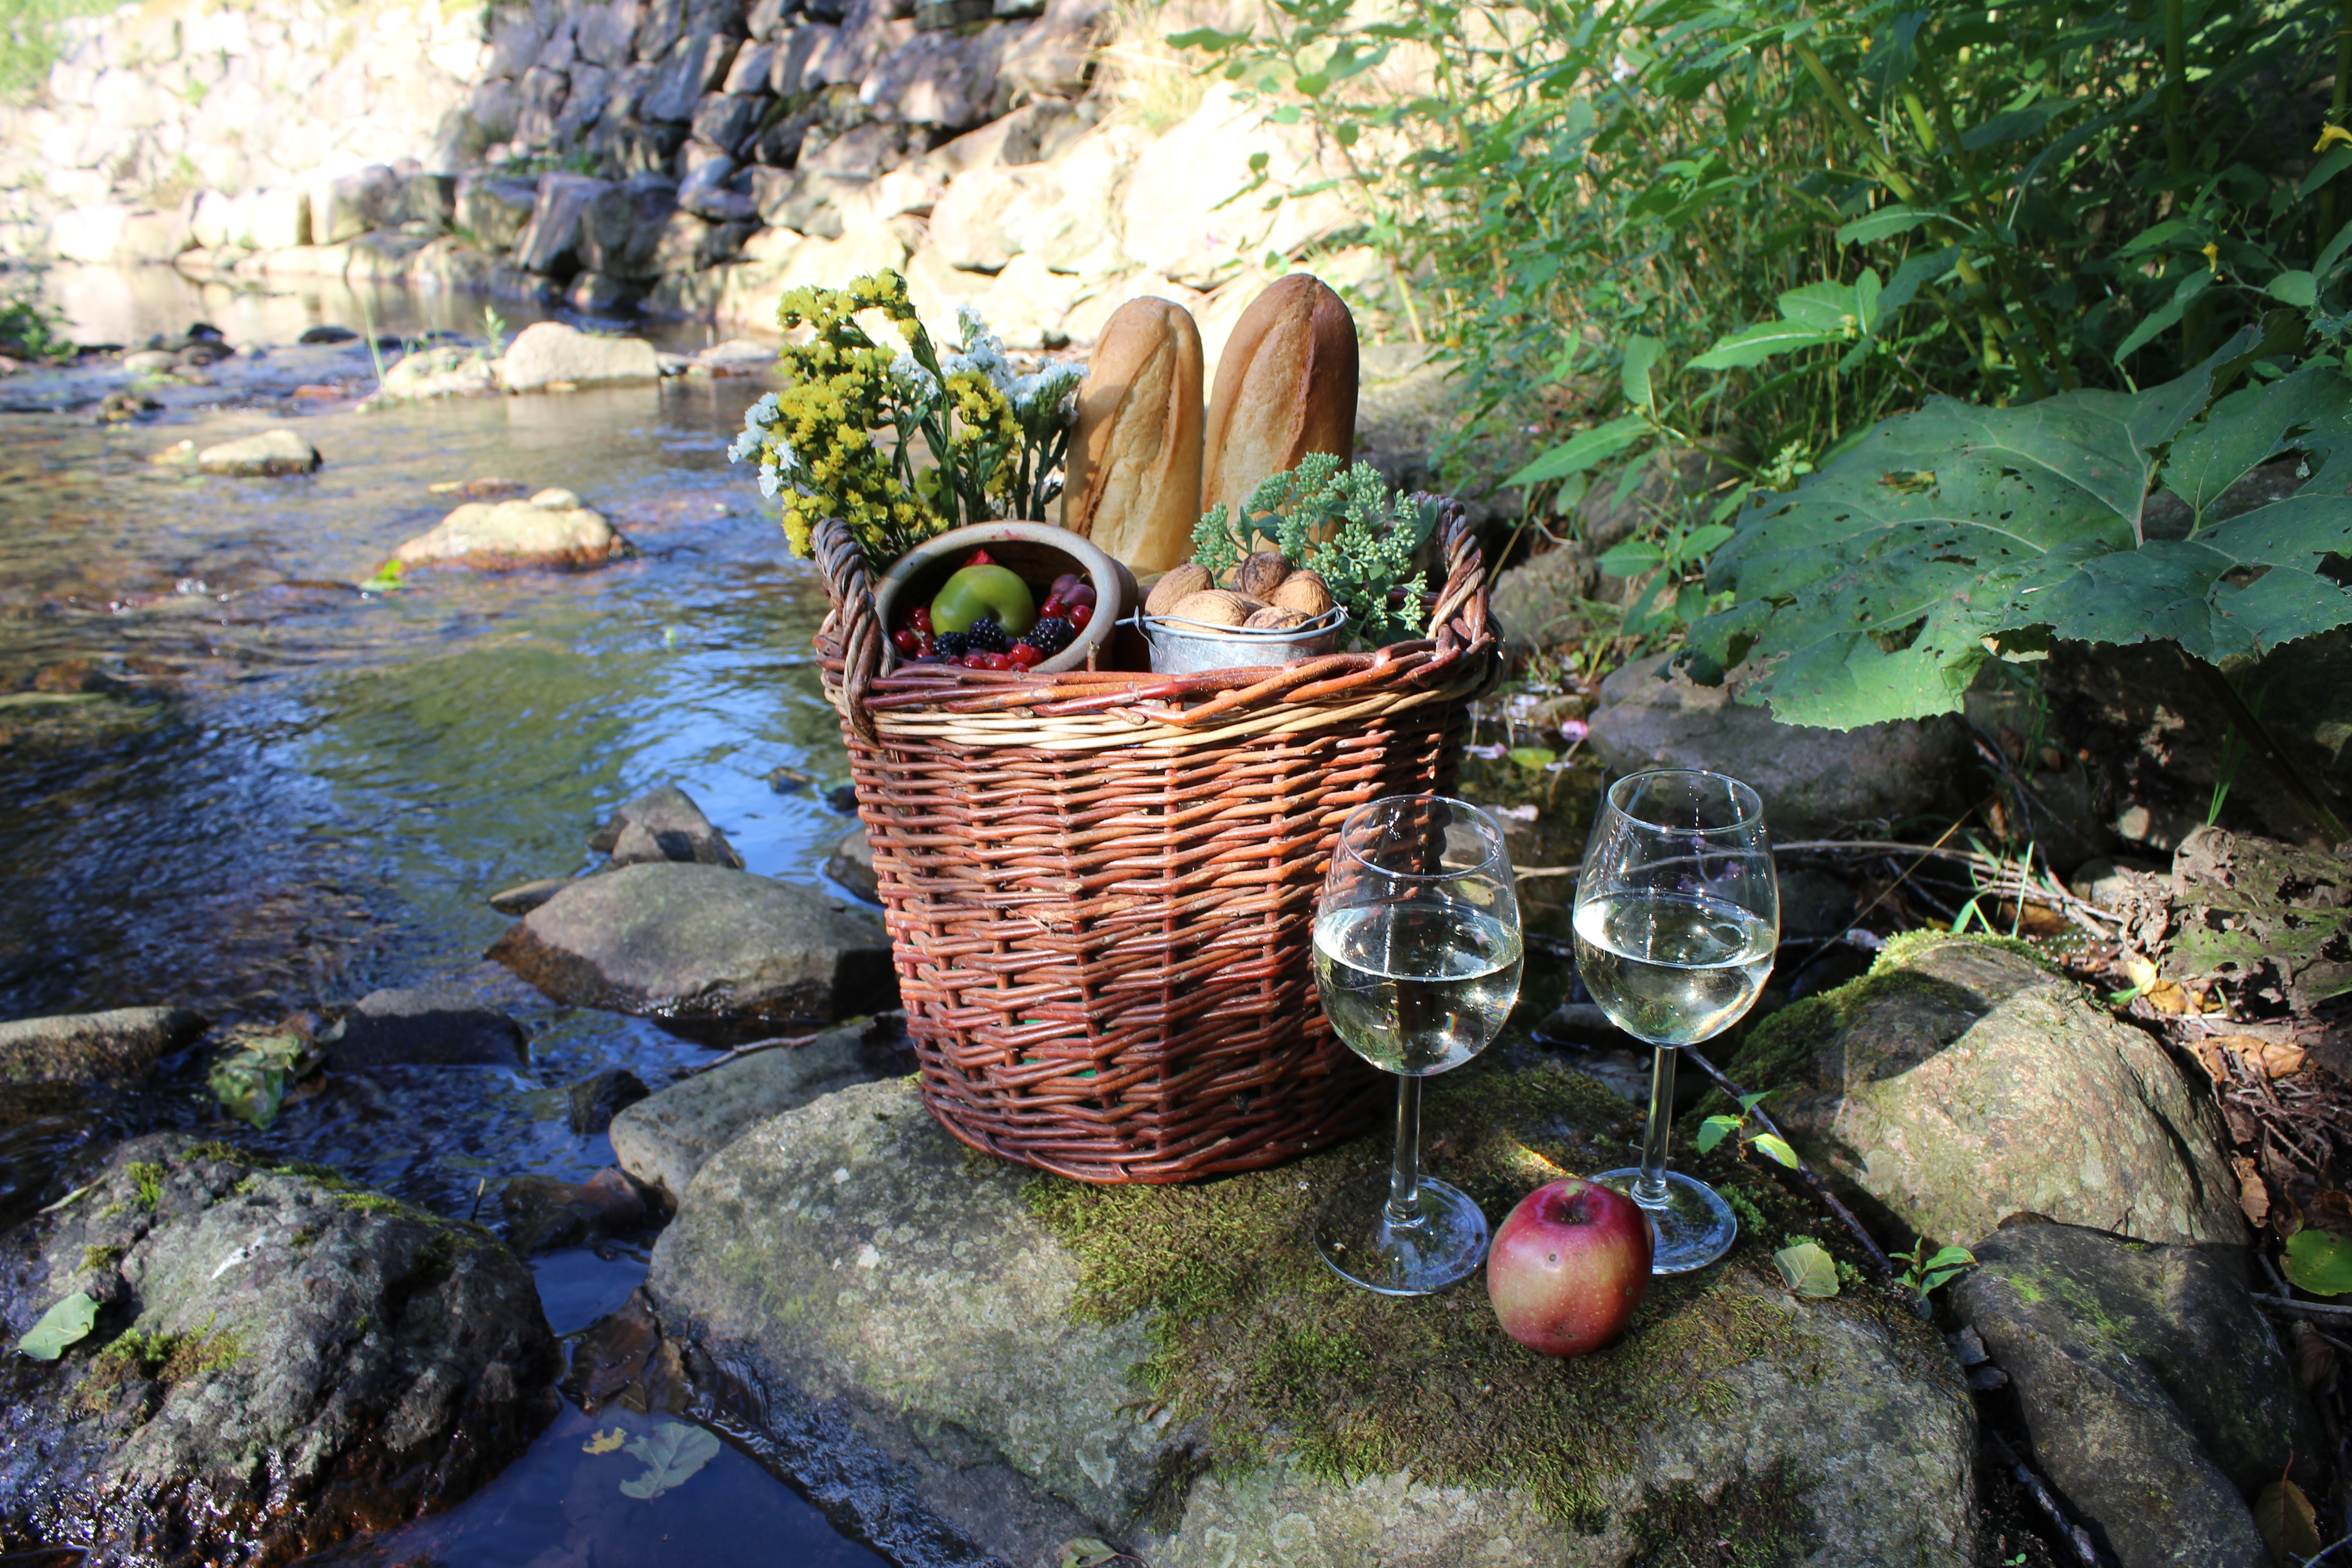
{"x": 2338, "y": 100}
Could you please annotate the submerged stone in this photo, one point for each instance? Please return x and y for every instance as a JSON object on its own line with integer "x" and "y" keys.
{"x": 276, "y": 1361}
{"x": 967, "y": 1356}
{"x": 1960, "y": 1082}
{"x": 551, "y": 529}
{"x": 425, "y": 1025}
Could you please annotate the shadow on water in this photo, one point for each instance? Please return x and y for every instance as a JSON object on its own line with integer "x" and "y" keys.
{"x": 231, "y": 779}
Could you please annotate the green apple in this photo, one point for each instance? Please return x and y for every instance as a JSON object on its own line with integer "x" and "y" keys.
{"x": 977, "y": 591}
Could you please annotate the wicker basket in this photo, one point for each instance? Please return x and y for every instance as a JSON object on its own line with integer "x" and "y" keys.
{"x": 1100, "y": 888}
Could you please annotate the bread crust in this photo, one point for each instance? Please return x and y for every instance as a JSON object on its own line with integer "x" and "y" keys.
{"x": 1135, "y": 456}
{"x": 1285, "y": 387}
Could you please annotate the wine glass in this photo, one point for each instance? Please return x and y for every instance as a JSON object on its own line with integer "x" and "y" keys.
{"x": 1677, "y": 915}
{"x": 1417, "y": 960}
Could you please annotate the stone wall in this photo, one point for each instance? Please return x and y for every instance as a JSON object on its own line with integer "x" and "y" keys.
{"x": 686, "y": 157}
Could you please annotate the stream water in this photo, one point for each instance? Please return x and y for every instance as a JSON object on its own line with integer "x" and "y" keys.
{"x": 230, "y": 780}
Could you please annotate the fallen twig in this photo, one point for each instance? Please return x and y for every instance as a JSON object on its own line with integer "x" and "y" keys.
{"x": 2295, "y": 1309}
{"x": 781, "y": 1043}
{"x": 2073, "y": 1534}
{"x": 1813, "y": 1184}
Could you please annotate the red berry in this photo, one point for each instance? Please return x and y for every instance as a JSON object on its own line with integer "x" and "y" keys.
{"x": 974, "y": 661}
{"x": 1079, "y": 616}
{"x": 923, "y": 641}
{"x": 980, "y": 558}
{"x": 1023, "y": 655}
{"x": 906, "y": 641}
{"x": 921, "y": 619}
{"x": 1051, "y": 607}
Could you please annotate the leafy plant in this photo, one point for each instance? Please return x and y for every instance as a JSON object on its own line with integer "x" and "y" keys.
{"x": 1807, "y": 1269}
{"x": 1924, "y": 1271}
{"x": 251, "y": 1081}
{"x": 30, "y": 329}
{"x": 63, "y": 1324}
{"x": 1344, "y": 524}
{"x": 1958, "y": 535}
{"x": 847, "y": 436}
{"x": 147, "y": 1178}
{"x": 1716, "y": 1129}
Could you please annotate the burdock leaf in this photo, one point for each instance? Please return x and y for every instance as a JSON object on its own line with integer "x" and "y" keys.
{"x": 673, "y": 1451}
{"x": 60, "y": 1326}
{"x": 1807, "y": 1269}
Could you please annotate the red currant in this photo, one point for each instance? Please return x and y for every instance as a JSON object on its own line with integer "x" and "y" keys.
{"x": 923, "y": 641}
{"x": 906, "y": 641}
{"x": 1079, "y": 615}
{"x": 921, "y": 619}
{"x": 1023, "y": 655}
{"x": 974, "y": 661}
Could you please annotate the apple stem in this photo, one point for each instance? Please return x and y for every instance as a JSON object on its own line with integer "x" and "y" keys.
{"x": 1817, "y": 1189}
{"x": 1405, "y": 1171}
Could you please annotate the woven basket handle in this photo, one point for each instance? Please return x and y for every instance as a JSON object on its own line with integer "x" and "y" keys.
{"x": 1465, "y": 592}
{"x": 852, "y": 622}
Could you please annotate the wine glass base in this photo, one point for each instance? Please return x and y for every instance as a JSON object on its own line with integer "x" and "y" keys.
{"x": 1690, "y": 1230}
{"x": 1440, "y": 1247}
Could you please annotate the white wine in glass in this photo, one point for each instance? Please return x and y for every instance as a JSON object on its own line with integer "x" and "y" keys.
{"x": 1677, "y": 917}
{"x": 1417, "y": 962}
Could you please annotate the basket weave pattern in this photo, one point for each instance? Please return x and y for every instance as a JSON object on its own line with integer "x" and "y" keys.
{"x": 1100, "y": 888}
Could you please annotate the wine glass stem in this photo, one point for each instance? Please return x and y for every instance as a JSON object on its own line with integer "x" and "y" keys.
{"x": 1651, "y": 1189}
{"x": 1404, "y": 1171}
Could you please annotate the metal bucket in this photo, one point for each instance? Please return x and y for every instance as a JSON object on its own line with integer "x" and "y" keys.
{"x": 1189, "y": 648}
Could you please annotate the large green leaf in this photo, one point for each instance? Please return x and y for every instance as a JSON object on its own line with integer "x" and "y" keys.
{"x": 1583, "y": 450}
{"x": 1876, "y": 588}
{"x": 61, "y": 1325}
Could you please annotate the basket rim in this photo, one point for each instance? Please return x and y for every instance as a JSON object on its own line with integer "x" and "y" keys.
{"x": 1460, "y": 652}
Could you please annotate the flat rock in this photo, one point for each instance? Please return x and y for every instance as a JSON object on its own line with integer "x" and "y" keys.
{"x": 551, "y": 529}
{"x": 1960, "y": 1082}
{"x": 664, "y": 823}
{"x": 851, "y": 864}
{"x": 2157, "y": 1398}
{"x": 594, "y": 1101}
{"x": 93, "y": 1048}
{"x": 451, "y": 371}
{"x": 276, "y": 452}
{"x": 309, "y": 1361}
{"x": 947, "y": 1350}
{"x": 543, "y": 1212}
{"x": 549, "y": 352}
{"x": 1812, "y": 781}
{"x": 695, "y": 944}
{"x": 664, "y": 1139}
{"x": 426, "y": 1026}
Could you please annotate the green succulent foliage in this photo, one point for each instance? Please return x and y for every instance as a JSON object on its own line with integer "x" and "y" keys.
{"x": 1373, "y": 536}
{"x": 1876, "y": 588}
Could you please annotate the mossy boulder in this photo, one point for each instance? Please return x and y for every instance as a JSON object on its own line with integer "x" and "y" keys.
{"x": 2159, "y": 1401}
{"x": 1961, "y": 1081}
{"x": 968, "y": 1358}
{"x": 275, "y": 1361}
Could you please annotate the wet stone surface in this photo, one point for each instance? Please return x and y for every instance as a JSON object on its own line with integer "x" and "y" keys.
{"x": 275, "y": 1361}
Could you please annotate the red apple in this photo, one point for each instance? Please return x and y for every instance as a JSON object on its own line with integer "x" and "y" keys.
{"x": 1569, "y": 1267}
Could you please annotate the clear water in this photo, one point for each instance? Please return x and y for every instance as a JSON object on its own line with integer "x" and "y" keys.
{"x": 292, "y": 793}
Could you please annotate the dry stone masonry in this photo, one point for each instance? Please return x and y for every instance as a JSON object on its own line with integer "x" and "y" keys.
{"x": 692, "y": 158}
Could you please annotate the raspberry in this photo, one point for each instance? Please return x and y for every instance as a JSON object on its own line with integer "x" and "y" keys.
{"x": 1049, "y": 637}
{"x": 951, "y": 646}
{"x": 984, "y": 636}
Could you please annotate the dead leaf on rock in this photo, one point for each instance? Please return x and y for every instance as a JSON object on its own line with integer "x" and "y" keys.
{"x": 2253, "y": 1196}
{"x": 604, "y": 1442}
{"x": 2267, "y": 1058}
{"x": 2287, "y": 1521}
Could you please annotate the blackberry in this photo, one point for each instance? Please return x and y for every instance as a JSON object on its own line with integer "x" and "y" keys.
{"x": 1049, "y": 636}
{"x": 951, "y": 646}
{"x": 985, "y": 636}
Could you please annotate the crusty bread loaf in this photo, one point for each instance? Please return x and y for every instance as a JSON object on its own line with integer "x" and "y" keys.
{"x": 1285, "y": 387}
{"x": 1135, "y": 457}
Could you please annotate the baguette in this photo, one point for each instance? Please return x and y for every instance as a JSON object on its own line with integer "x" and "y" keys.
{"x": 1285, "y": 387}
{"x": 1135, "y": 457}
